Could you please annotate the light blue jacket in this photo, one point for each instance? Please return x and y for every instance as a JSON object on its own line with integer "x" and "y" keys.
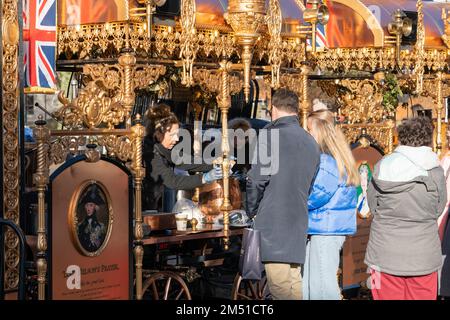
{"x": 331, "y": 203}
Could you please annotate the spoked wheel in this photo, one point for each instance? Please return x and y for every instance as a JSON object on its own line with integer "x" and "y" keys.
{"x": 250, "y": 289}
{"x": 165, "y": 285}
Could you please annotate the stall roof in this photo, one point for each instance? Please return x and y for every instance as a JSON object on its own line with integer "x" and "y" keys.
{"x": 352, "y": 23}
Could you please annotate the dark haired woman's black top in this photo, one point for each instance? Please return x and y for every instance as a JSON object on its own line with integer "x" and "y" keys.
{"x": 159, "y": 172}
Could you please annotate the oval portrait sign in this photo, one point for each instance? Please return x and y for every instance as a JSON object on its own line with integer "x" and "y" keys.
{"x": 91, "y": 218}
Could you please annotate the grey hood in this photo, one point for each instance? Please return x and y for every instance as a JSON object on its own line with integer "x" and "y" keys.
{"x": 407, "y": 163}
{"x": 423, "y": 157}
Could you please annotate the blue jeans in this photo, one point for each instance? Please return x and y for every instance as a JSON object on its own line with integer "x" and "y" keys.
{"x": 321, "y": 266}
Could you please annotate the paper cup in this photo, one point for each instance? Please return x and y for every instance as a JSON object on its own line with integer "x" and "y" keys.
{"x": 181, "y": 220}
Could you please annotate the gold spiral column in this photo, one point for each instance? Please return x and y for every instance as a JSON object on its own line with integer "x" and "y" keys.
{"x": 439, "y": 109}
{"x": 138, "y": 175}
{"x": 391, "y": 125}
{"x": 224, "y": 102}
{"x": 40, "y": 179}
{"x": 305, "y": 105}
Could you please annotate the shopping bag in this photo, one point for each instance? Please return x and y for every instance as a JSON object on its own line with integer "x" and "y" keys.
{"x": 250, "y": 264}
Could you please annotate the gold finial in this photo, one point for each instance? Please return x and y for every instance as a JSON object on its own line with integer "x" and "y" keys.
{"x": 194, "y": 223}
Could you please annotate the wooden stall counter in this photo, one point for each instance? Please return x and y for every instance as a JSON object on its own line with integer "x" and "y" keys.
{"x": 176, "y": 236}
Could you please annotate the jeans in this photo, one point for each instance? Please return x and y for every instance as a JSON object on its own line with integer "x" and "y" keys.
{"x": 321, "y": 266}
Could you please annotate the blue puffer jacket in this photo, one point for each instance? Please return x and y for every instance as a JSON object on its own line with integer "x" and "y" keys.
{"x": 331, "y": 203}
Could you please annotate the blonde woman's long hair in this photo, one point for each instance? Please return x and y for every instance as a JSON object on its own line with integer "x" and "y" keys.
{"x": 332, "y": 141}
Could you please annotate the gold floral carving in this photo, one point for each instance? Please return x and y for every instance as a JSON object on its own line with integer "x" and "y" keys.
{"x": 359, "y": 100}
{"x": 117, "y": 146}
{"x": 189, "y": 46}
{"x": 210, "y": 80}
{"x": 274, "y": 20}
{"x": 165, "y": 42}
{"x": 94, "y": 105}
{"x": 419, "y": 49}
{"x": 63, "y": 146}
{"x": 91, "y": 108}
{"x": 382, "y": 134}
{"x": 430, "y": 89}
{"x": 370, "y": 59}
{"x": 10, "y": 127}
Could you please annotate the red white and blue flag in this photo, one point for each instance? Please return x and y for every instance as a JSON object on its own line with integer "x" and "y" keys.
{"x": 39, "y": 35}
{"x": 321, "y": 38}
{"x": 321, "y": 34}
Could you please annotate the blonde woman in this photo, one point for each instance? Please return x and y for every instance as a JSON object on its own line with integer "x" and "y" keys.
{"x": 331, "y": 206}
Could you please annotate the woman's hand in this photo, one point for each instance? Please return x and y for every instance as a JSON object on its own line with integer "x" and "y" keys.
{"x": 212, "y": 175}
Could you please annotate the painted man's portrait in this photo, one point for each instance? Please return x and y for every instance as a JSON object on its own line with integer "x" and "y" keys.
{"x": 92, "y": 218}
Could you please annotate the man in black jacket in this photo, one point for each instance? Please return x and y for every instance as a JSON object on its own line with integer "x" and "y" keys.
{"x": 277, "y": 195}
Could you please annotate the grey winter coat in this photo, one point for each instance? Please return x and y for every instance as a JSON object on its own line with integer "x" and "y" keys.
{"x": 279, "y": 198}
{"x": 406, "y": 196}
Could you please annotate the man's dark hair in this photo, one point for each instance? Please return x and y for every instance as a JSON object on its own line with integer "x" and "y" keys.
{"x": 286, "y": 100}
{"x": 416, "y": 132}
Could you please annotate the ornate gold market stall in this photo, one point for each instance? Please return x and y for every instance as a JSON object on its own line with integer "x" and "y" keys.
{"x": 347, "y": 53}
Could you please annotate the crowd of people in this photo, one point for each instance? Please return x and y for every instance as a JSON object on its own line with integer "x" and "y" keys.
{"x": 306, "y": 205}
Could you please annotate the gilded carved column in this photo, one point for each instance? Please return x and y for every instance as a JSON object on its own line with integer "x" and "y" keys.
{"x": 127, "y": 61}
{"x": 138, "y": 175}
{"x": 10, "y": 134}
{"x": 305, "y": 105}
{"x": 391, "y": 125}
{"x": 224, "y": 101}
{"x": 439, "y": 109}
{"x": 40, "y": 179}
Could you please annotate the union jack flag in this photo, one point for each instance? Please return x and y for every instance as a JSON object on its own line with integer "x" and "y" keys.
{"x": 39, "y": 35}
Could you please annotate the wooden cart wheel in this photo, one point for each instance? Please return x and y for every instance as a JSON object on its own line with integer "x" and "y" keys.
{"x": 249, "y": 289}
{"x": 165, "y": 285}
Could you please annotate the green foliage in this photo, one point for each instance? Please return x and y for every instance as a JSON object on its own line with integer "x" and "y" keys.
{"x": 391, "y": 92}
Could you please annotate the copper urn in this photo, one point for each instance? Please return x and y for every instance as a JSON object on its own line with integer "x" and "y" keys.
{"x": 211, "y": 198}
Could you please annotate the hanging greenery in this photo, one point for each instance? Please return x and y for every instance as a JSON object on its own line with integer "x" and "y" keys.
{"x": 391, "y": 92}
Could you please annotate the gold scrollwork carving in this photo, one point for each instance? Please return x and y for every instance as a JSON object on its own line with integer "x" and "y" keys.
{"x": 381, "y": 134}
{"x": 120, "y": 147}
{"x": 274, "y": 20}
{"x": 419, "y": 49}
{"x": 94, "y": 107}
{"x": 359, "y": 100}
{"x": 189, "y": 48}
{"x": 10, "y": 116}
{"x": 210, "y": 80}
{"x": 91, "y": 108}
{"x": 369, "y": 59}
{"x": 146, "y": 75}
{"x": 64, "y": 146}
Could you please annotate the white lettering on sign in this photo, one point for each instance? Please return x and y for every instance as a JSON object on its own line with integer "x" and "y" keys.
{"x": 73, "y": 273}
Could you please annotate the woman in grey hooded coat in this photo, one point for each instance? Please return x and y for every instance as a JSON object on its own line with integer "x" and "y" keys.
{"x": 406, "y": 196}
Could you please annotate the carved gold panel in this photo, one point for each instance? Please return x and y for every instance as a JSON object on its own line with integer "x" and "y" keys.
{"x": 10, "y": 127}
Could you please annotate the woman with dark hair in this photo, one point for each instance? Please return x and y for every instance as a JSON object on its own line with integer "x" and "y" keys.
{"x": 406, "y": 196}
{"x": 162, "y": 136}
